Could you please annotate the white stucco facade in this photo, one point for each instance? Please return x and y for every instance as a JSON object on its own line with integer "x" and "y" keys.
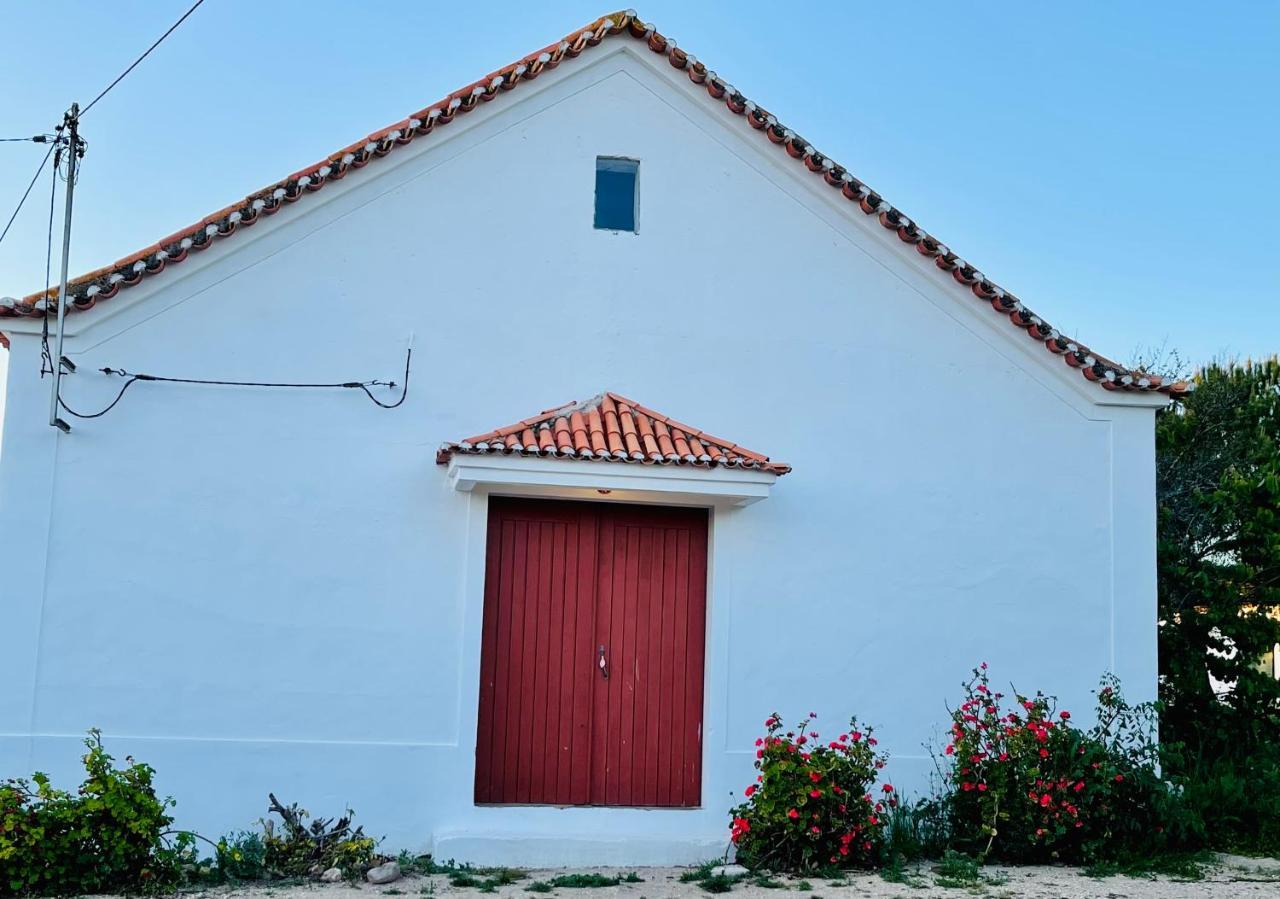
{"x": 260, "y": 590}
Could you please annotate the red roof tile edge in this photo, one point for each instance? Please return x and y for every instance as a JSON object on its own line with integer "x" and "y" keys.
{"x": 86, "y": 290}
{"x": 611, "y": 428}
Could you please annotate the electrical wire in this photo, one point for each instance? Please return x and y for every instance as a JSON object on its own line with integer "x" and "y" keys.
{"x": 27, "y": 192}
{"x": 37, "y": 139}
{"x": 120, "y": 77}
{"x": 349, "y": 385}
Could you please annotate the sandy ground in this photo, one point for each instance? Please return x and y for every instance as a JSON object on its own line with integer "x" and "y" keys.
{"x": 1233, "y": 877}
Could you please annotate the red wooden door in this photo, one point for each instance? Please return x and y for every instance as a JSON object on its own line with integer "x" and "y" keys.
{"x": 567, "y": 587}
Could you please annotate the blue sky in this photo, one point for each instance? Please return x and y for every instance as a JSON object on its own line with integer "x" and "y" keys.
{"x": 1115, "y": 165}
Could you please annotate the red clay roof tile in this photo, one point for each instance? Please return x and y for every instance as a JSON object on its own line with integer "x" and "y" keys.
{"x": 86, "y": 290}
{"x": 562, "y": 432}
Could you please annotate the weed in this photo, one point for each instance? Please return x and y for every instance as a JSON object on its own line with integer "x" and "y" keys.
{"x": 702, "y": 872}
{"x": 539, "y": 886}
{"x": 1178, "y": 866}
{"x": 718, "y": 883}
{"x": 393, "y": 892}
{"x": 591, "y": 881}
{"x": 767, "y": 883}
{"x": 804, "y": 886}
{"x": 895, "y": 872}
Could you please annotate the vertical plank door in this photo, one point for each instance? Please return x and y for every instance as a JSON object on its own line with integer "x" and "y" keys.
{"x": 650, "y": 616}
{"x": 567, "y": 587}
{"x": 536, "y": 657}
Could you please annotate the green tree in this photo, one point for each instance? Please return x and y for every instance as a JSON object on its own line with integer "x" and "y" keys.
{"x": 1218, "y": 479}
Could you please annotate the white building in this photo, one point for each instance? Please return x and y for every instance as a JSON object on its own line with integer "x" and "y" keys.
{"x": 297, "y": 590}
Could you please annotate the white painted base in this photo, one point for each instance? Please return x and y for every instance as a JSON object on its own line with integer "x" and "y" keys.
{"x": 531, "y": 850}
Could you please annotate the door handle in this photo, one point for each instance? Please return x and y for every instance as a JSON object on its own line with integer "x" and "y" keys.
{"x": 603, "y": 663}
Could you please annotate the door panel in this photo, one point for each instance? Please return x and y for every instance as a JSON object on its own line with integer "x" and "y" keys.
{"x": 533, "y": 734}
{"x": 564, "y": 581}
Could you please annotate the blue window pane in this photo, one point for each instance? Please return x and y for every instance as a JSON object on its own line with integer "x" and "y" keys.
{"x": 616, "y": 194}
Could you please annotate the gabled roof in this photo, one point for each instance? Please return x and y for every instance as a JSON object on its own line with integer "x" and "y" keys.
{"x": 104, "y": 283}
{"x": 611, "y": 428}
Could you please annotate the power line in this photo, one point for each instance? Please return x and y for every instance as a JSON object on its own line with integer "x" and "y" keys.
{"x": 37, "y": 139}
{"x": 26, "y": 193}
{"x": 120, "y": 77}
{"x": 351, "y": 385}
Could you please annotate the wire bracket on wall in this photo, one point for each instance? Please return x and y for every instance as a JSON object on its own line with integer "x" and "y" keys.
{"x": 365, "y": 386}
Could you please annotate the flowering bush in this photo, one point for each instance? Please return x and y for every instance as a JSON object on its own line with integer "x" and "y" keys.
{"x": 1028, "y": 785}
{"x": 812, "y": 804}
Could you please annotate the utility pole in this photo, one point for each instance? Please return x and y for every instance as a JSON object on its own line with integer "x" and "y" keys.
{"x": 72, "y": 123}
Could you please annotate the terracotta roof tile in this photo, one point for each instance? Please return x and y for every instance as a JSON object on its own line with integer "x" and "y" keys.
{"x": 578, "y": 431}
{"x": 86, "y": 290}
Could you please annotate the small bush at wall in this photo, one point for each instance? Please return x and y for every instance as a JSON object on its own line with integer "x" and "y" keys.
{"x": 1029, "y": 786}
{"x": 811, "y": 806}
{"x": 240, "y": 857}
{"x": 106, "y": 837}
{"x": 295, "y": 848}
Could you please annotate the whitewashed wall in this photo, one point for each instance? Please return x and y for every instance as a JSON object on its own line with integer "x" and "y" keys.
{"x": 269, "y": 590}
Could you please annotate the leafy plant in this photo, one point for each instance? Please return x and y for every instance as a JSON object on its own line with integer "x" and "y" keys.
{"x": 241, "y": 857}
{"x": 811, "y": 806}
{"x": 109, "y": 836}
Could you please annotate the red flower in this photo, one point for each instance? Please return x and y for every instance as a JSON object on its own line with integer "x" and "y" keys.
{"x": 759, "y": 741}
{"x": 949, "y": 750}
{"x": 815, "y": 794}
{"x": 1044, "y": 753}
{"x": 793, "y": 814}
{"x": 1079, "y": 785}
{"x": 1045, "y": 800}
{"x": 856, "y": 735}
{"x": 749, "y": 791}
{"x": 815, "y": 776}
{"x": 1119, "y": 778}
{"x": 887, "y": 788}
{"x": 982, "y": 788}
{"x": 1064, "y": 715}
{"x": 816, "y": 829}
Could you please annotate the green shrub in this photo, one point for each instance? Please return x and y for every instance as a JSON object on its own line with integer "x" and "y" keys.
{"x": 241, "y": 856}
{"x": 107, "y": 837}
{"x": 811, "y": 806}
{"x": 1029, "y": 786}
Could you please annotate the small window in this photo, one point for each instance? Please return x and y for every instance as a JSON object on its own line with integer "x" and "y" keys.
{"x": 616, "y": 193}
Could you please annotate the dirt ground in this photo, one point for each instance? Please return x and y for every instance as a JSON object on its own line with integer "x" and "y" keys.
{"x": 1232, "y": 878}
